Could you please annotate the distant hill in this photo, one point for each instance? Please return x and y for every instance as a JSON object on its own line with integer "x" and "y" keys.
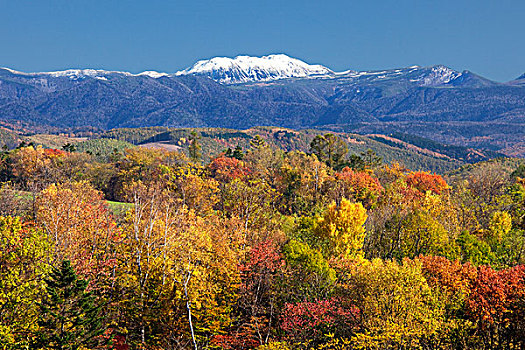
{"x": 416, "y": 154}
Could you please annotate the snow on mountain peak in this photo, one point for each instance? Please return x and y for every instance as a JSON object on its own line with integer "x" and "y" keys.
{"x": 153, "y": 74}
{"x": 76, "y": 74}
{"x": 438, "y": 75}
{"x": 242, "y": 69}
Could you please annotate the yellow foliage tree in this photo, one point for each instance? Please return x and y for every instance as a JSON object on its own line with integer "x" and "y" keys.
{"x": 23, "y": 263}
{"x": 342, "y": 229}
{"x": 37, "y": 167}
{"x": 274, "y": 345}
{"x": 252, "y": 201}
{"x": 179, "y": 273}
{"x": 193, "y": 189}
{"x": 396, "y": 304}
{"x": 500, "y": 225}
{"x": 300, "y": 179}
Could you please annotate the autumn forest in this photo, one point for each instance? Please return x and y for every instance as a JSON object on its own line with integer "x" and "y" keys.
{"x": 258, "y": 248}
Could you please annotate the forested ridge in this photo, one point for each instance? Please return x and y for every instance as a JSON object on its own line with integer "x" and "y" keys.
{"x": 413, "y": 152}
{"x": 257, "y": 248}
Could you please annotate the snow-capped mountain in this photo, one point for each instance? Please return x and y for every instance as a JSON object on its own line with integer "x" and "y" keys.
{"x": 243, "y": 69}
{"x": 75, "y": 74}
{"x": 248, "y": 69}
{"x": 415, "y": 75}
{"x": 427, "y": 101}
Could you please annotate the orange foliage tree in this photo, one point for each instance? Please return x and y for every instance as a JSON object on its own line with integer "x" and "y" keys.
{"x": 81, "y": 227}
{"x": 425, "y": 181}
{"x": 496, "y": 305}
{"x": 357, "y": 185}
{"x": 226, "y": 169}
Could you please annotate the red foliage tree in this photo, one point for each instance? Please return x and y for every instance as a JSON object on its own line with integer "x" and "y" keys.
{"x": 452, "y": 279}
{"x": 225, "y": 169}
{"x": 256, "y": 315}
{"x": 359, "y": 185}
{"x": 425, "y": 181}
{"x": 496, "y": 304}
{"x": 450, "y": 275}
{"x": 311, "y": 322}
{"x": 52, "y": 152}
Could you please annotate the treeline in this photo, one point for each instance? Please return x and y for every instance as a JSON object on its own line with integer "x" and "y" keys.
{"x": 215, "y": 140}
{"x": 453, "y": 151}
{"x": 257, "y": 249}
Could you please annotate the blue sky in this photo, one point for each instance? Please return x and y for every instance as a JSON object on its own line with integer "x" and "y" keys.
{"x": 484, "y": 36}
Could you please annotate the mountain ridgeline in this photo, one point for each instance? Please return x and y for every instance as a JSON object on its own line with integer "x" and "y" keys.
{"x": 437, "y": 103}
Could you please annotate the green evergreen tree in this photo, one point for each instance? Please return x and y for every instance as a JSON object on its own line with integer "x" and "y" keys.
{"x": 371, "y": 159}
{"x": 368, "y": 159}
{"x": 69, "y": 147}
{"x": 519, "y": 172}
{"x": 69, "y": 318}
{"x": 195, "y": 147}
{"x": 330, "y": 149}
{"x": 356, "y": 162}
{"x": 258, "y": 142}
{"x": 237, "y": 153}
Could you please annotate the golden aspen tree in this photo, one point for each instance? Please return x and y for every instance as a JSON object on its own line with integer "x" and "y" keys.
{"x": 23, "y": 263}
{"x": 342, "y": 229}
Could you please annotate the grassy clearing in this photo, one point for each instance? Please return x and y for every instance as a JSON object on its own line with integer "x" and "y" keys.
{"x": 119, "y": 208}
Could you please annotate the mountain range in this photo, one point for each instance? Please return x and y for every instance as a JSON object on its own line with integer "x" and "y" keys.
{"x": 435, "y": 102}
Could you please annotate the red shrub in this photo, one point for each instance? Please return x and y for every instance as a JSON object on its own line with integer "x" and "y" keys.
{"x": 312, "y": 321}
